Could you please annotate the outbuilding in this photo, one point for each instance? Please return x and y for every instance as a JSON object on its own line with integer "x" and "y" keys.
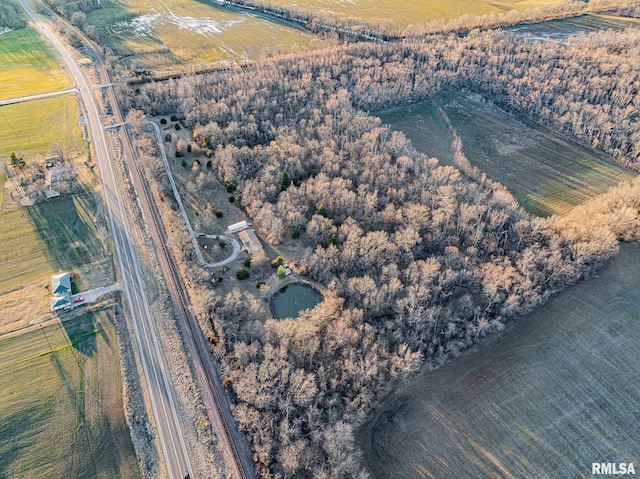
{"x": 237, "y": 227}
{"x": 250, "y": 242}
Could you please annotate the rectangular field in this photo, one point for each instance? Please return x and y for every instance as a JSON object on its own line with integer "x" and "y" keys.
{"x": 407, "y": 12}
{"x": 560, "y": 30}
{"x": 554, "y": 393}
{"x": 546, "y": 172}
{"x": 33, "y": 127}
{"x": 28, "y": 65}
{"x": 61, "y": 403}
{"x": 41, "y": 240}
{"x": 162, "y": 34}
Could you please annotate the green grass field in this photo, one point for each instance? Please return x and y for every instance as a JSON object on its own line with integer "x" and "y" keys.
{"x": 37, "y": 241}
{"x": 560, "y": 30}
{"x": 31, "y": 128}
{"x": 546, "y": 398}
{"x": 547, "y": 173}
{"x": 422, "y": 124}
{"x": 28, "y": 65}
{"x": 407, "y": 12}
{"x": 163, "y": 34}
{"x": 61, "y": 403}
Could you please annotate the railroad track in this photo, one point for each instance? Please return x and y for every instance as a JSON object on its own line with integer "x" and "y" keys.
{"x": 206, "y": 373}
{"x": 214, "y": 396}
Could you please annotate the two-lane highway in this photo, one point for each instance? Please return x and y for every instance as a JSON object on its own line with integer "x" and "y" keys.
{"x": 161, "y": 394}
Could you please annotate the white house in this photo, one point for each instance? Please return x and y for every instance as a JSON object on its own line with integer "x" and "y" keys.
{"x": 61, "y": 291}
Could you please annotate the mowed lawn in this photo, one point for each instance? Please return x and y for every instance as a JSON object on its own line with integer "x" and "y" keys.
{"x": 408, "y": 12}
{"x": 179, "y": 32}
{"x": 554, "y": 393}
{"x": 28, "y": 65}
{"x": 57, "y": 235}
{"x": 61, "y": 403}
{"x": 32, "y": 127}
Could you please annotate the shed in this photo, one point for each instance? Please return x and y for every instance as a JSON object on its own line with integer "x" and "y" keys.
{"x": 60, "y": 284}
{"x": 237, "y": 227}
{"x": 250, "y": 241}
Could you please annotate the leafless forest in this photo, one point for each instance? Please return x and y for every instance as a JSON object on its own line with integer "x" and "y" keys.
{"x": 419, "y": 260}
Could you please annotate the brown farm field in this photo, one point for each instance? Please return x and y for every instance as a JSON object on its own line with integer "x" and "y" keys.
{"x": 61, "y": 403}
{"x": 159, "y": 34}
{"x": 552, "y": 394}
{"x": 546, "y": 172}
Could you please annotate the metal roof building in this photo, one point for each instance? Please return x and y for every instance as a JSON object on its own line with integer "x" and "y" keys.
{"x": 60, "y": 284}
{"x": 250, "y": 241}
{"x": 237, "y": 227}
{"x": 60, "y": 301}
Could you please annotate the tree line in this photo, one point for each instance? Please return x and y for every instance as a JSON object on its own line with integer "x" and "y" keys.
{"x": 418, "y": 260}
{"x": 11, "y": 15}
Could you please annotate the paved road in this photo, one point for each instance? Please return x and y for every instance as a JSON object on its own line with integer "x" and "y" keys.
{"x": 20, "y": 99}
{"x": 149, "y": 348}
{"x": 176, "y": 194}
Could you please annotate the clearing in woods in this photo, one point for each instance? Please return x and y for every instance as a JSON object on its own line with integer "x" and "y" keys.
{"x": 162, "y": 34}
{"x": 28, "y": 66}
{"x": 33, "y": 127}
{"x": 560, "y": 30}
{"x": 546, "y": 172}
{"x": 554, "y": 393}
{"x": 407, "y": 12}
{"x": 61, "y": 403}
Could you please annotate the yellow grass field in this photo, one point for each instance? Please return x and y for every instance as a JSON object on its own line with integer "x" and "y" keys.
{"x": 61, "y": 403}
{"x": 28, "y": 65}
{"x": 31, "y": 128}
{"x": 159, "y": 34}
{"x": 407, "y": 12}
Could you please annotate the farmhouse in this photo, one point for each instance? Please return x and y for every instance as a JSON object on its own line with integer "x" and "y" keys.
{"x": 237, "y": 227}
{"x": 250, "y": 242}
{"x": 60, "y": 301}
{"x": 61, "y": 290}
{"x": 60, "y": 284}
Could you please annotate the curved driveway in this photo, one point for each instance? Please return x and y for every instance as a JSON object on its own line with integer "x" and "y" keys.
{"x": 194, "y": 235}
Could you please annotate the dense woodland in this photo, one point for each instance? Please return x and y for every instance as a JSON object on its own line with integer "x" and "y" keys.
{"x": 419, "y": 261}
{"x": 11, "y": 15}
{"x": 67, "y": 8}
{"x": 631, "y": 12}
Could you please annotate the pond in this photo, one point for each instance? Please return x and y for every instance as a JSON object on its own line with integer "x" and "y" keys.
{"x": 293, "y": 299}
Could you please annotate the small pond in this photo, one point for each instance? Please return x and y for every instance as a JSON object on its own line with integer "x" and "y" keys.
{"x": 293, "y": 299}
